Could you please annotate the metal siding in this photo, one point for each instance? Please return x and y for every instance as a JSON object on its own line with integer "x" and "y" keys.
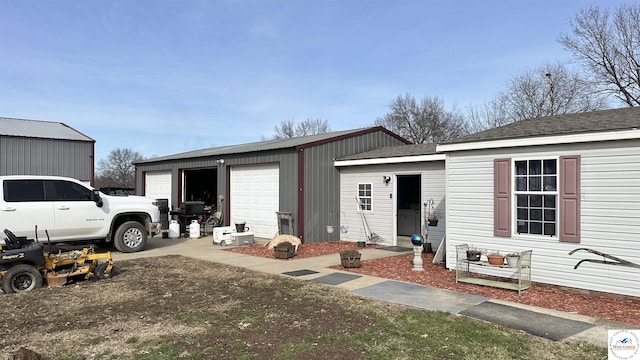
{"x": 610, "y": 214}
{"x": 322, "y": 182}
{"x": 33, "y": 156}
{"x": 286, "y": 159}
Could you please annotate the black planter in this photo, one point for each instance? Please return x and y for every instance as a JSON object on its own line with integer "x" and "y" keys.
{"x": 433, "y": 222}
{"x": 473, "y": 255}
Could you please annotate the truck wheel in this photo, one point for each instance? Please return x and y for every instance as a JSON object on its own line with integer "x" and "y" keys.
{"x": 21, "y": 278}
{"x": 131, "y": 236}
{"x": 101, "y": 271}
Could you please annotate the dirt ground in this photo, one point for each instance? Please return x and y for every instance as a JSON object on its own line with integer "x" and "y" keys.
{"x": 152, "y": 298}
{"x": 625, "y": 309}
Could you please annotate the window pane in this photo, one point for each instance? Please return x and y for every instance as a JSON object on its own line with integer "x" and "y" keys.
{"x": 523, "y": 200}
{"x": 523, "y": 214}
{"x": 550, "y": 201}
{"x": 549, "y": 183}
{"x": 535, "y": 183}
{"x": 535, "y": 214}
{"x": 550, "y": 229}
{"x": 521, "y": 168}
{"x": 365, "y": 204}
{"x": 549, "y": 215}
{"x": 535, "y": 167}
{"x": 68, "y": 191}
{"x": 23, "y": 190}
{"x": 522, "y": 227}
{"x": 535, "y": 200}
{"x": 535, "y": 228}
{"x": 521, "y": 183}
{"x": 550, "y": 167}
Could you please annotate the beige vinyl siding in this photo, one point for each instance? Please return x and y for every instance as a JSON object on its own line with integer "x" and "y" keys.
{"x": 610, "y": 214}
{"x": 382, "y": 218}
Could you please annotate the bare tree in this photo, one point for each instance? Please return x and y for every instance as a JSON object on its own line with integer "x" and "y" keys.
{"x": 490, "y": 115}
{"x": 551, "y": 89}
{"x": 118, "y": 169}
{"x": 286, "y": 129}
{"x": 423, "y": 122}
{"x": 610, "y": 49}
{"x": 289, "y": 129}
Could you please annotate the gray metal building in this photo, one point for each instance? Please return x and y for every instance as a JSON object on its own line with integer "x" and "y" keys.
{"x": 34, "y": 147}
{"x": 251, "y": 182}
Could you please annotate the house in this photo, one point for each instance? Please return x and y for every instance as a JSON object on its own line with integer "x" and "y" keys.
{"x": 33, "y": 147}
{"x": 252, "y": 182}
{"x": 556, "y": 186}
{"x": 393, "y": 189}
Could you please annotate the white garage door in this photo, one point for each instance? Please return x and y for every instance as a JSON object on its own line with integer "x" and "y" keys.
{"x": 255, "y": 198}
{"x": 157, "y": 185}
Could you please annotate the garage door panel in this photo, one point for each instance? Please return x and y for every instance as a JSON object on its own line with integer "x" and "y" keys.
{"x": 157, "y": 184}
{"x": 255, "y": 198}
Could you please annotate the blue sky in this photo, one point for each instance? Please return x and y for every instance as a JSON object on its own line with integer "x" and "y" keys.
{"x": 167, "y": 76}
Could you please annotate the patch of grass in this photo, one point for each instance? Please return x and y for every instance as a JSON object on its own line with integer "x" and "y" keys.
{"x": 161, "y": 351}
{"x": 292, "y": 351}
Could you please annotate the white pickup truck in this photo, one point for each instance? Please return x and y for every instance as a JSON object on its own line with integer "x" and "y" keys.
{"x": 72, "y": 211}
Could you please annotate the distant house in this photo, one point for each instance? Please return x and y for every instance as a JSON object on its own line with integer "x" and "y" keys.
{"x": 552, "y": 185}
{"x": 398, "y": 187}
{"x": 250, "y": 183}
{"x": 33, "y": 147}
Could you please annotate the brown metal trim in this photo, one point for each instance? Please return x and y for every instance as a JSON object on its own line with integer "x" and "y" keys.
{"x": 300, "y": 215}
{"x": 92, "y": 156}
{"x": 179, "y": 187}
{"x": 142, "y": 185}
{"x": 351, "y": 135}
{"x": 227, "y": 196}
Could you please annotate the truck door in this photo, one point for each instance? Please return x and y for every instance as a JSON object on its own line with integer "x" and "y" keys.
{"x": 76, "y": 215}
{"x": 23, "y": 206}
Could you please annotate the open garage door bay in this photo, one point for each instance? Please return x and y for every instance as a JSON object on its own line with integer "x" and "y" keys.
{"x": 255, "y": 198}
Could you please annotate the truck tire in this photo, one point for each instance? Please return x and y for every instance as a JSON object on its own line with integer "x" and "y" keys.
{"x": 21, "y": 278}
{"x": 131, "y": 236}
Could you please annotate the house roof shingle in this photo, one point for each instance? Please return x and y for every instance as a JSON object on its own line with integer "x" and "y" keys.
{"x": 578, "y": 123}
{"x": 40, "y": 129}
{"x": 394, "y": 151}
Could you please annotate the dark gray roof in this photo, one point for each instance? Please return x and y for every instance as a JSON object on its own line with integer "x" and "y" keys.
{"x": 588, "y": 122}
{"x": 40, "y": 129}
{"x": 394, "y": 151}
{"x": 301, "y": 141}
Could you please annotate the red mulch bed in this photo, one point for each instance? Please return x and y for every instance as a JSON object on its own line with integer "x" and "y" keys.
{"x": 619, "y": 308}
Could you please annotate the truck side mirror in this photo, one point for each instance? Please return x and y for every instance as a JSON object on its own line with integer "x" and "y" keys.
{"x": 97, "y": 198}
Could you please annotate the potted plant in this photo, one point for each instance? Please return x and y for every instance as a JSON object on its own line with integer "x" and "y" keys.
{"x": 473, "y": 254}
{"x": 432, "y": 219}
{"x": 495, "y": 258}
{"x": 512, "y": 259}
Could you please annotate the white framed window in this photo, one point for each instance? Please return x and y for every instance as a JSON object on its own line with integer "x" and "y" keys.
{"x": 365, "y": 196}
{"x": 536, "y": 196}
